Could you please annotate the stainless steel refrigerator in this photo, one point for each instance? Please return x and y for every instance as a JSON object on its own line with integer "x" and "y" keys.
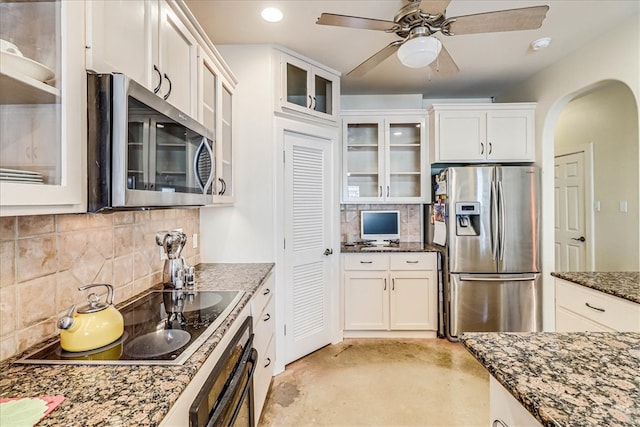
{"x": 492, "y": 248}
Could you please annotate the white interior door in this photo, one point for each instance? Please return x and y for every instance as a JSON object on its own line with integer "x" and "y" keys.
{"x": 571, "y": 253}
{"x": 308, "y": 224}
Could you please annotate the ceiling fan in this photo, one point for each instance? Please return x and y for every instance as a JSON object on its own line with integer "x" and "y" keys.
{"x": 418, "y": 21}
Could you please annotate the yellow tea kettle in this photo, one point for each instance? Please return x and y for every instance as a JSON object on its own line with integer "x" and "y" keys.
{"x": 93, "y": 325}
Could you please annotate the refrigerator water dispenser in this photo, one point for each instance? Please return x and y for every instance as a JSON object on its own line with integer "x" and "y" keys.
{"x": 468, "y": 219}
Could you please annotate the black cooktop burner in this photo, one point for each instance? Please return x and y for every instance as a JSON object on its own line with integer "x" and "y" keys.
{"x": 162, "y": 327}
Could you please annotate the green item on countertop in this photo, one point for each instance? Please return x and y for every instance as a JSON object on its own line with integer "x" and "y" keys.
{"x": 22, "y": 412}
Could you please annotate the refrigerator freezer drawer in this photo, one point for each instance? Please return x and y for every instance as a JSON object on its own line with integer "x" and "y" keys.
{"x": 494, "y": 303}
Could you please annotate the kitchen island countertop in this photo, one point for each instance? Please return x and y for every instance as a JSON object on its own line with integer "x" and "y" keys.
{"x": 126, "y": 395}
{"x": 623, "y": 284}
{"x": 566, "y": 379}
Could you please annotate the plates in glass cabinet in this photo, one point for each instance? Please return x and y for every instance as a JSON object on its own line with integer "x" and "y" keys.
{"x": 16, "y": 64}
{"x": 17, "y": 175}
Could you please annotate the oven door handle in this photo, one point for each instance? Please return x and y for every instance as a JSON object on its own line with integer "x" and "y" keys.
{"x": 253, "y": 360}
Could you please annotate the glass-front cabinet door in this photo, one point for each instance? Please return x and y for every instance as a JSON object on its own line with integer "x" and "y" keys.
{"x": 405, "y": 159}
{"x": 308, "y": 89}
{"x": 42, "y": 107}
{"x": 385, "y": 159}
{"x": 363, "y": 159}
{"x": 224, "y": 151}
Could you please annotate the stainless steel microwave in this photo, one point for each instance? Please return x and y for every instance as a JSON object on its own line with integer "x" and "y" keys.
{"x": 143, "y": 152}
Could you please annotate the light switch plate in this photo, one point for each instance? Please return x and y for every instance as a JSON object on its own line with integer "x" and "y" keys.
{"x": 623, "y": 206}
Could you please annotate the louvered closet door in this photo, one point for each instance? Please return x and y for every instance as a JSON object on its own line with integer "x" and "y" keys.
{"x": 307, "y": 234}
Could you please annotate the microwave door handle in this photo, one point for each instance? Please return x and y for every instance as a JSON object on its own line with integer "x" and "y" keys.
{"x": 203, "y": 185}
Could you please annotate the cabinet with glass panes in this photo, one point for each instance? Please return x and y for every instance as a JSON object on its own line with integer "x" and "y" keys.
{"x": 385, "y": 157}
{"x": 42, "y": 107}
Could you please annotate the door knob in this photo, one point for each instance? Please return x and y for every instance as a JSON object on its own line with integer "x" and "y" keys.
{"x": 328, "y": 252}
{"x": 579, "y": 239}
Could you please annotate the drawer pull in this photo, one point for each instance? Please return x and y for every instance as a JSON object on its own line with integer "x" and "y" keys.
{"x": 411, "y": 262}
{"x": 385, "y": 284}
{"x": 594, "y": 308}
{"x": 268, "y": 362}
{"x": 266, "y": 317}
{"x": 366, "y": 262}
{"x": 499, "y": 423}
{"x": 266, "y": 291}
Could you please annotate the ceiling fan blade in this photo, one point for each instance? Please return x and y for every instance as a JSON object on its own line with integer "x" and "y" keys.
{"x": 444, "y": 65}
{"x": 356, "y": 22}
{"x": 375, "y": 59}
{"x": 434, "y": 7}
{"x": 527, "y": 18}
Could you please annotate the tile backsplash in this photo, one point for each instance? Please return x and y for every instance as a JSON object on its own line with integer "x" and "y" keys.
{"x": 410, "y": 221}
{"x": 44, "y": 259}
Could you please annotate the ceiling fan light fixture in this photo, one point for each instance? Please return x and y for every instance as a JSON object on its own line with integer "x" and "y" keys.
{"x": 271, "y": 14}
{"x": 419, "y": 51}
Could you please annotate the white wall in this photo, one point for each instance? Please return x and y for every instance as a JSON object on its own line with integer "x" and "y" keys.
{"x": 614, "y": 55}
{"x": 607, "y": 117}
{"x": 245, "y": 232}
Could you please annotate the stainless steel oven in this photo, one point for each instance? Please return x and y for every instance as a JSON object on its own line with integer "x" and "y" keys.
{"x": 226, "y": 398}
{"x": 143, "y": 152}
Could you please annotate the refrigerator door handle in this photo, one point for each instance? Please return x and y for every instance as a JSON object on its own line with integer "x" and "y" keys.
{"x": 471, "y": 278}
{"x": 494, "y": 222}
{"x": 501, "y": 203}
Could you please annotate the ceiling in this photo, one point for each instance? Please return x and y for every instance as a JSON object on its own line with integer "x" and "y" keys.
{"x": 489, "y": 63}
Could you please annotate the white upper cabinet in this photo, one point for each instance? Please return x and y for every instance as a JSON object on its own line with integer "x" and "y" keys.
{"x": 384, "y": 157}
{"x": 148, "y": 41}
{"x": 305, "y": 87}
{"x": 475, "y": 133}
{"x": 42, "y": 108}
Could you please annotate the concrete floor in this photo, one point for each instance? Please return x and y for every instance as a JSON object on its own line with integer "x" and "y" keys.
{"x": 375, "y": 382}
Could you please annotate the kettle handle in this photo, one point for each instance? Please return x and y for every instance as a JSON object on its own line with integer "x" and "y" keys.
{"x": 109, "y": 290}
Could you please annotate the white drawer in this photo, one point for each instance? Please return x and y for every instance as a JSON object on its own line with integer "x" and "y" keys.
{"x": 262, "y": 296}
{"x": 262, "y": 377}
{"x": 608, "y": 310}
{"x": 366, "y": 262}
{"x": 413, "y": 261}
{"x": 264, "y": 326}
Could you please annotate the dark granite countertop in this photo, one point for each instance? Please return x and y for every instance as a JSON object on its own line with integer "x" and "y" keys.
{"x": 118, "y": 395}
{"x": 566, "y": 379}
{"x": 394, "y": 247}
{"x": 625, "y": 284}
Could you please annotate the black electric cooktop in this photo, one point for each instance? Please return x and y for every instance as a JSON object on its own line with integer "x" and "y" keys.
{"x": 161, "y": 328}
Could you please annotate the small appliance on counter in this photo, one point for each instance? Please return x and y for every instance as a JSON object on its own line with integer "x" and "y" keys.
{"x": 93, "y": 325}
{"x": 175, "y": 273}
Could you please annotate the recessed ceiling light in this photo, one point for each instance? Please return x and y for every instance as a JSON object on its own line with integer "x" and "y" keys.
{"x": 540, "y": 43}
{"x": 272, "y": 14}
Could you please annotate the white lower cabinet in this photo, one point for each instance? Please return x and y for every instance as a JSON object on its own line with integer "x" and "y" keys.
{"x": 581, "y": 309}
{"x": 505, "y": 410}
{"x": 263, "y": 312}
{"x": 390, "y": 292}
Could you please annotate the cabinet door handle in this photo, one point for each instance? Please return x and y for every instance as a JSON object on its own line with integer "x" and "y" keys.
{"x": 268, "y": 362}
{"x": 310, "y": 102}
{"x": 168, "y": 94}
{"x": 366, "y": 262}
{"x": 481, "y": 148}
{"x": 224, "y": 186}
{"x": 385, "y": 284}
{"x": 499, "y": 423}
{"x": 266, "y": 291}
{"x": 266, "y": 317}
{"x": 35, "y": 152}
{"x": 387, "y": 191}
{"x": 411, "y": 262}
{"x": 490, "y": 148}
{"x": 380, "y": 192}
{"x": 157, "y": 88}
{"x": 315, "y": 104}
{"x": 393, "y": 284}
{"x": 594, "y": 308}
